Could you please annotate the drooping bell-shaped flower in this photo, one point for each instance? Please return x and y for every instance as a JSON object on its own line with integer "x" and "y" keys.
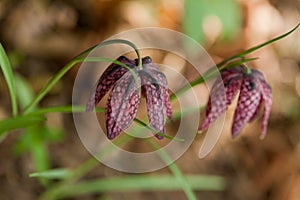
{"x": 124, "y": 98}
{"x": 254, "y": 92}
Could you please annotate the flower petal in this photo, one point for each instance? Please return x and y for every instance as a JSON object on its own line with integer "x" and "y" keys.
{"x": 168, "y": 103}
{"x": 260, "y": 78}
{"x": 122, "y": 105}
{"x": 266, "y": 93}
{"x": 248, "y": 102}
{"x": 109, "y": 77}
{"x": 267, "y": 96}
{"x": 160, "y": 78}
{"x": 155, "y": 101}
{"x": 218, "y": 103}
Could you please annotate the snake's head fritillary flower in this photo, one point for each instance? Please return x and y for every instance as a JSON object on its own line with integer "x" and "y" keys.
{"x": 254, "y": 92}
{"x": 124, "y": 98}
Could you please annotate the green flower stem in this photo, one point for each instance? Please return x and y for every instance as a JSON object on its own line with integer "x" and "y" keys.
{"x": 222, "y": 65}
{"x": 114, "y": 41}
{"x": 69, "y": 109}
{"x": 49, "y": 86}
{"x": 145, "y": 182}
{"x": 208, "y": 75}
{"x": 78, "y": 59}
{"x": 109, "y": 60}
{"x": 62, "y": 109}
{"x": 159, "y": 133}
{"x": 248, "y": 70}
{"x": 63, "y": 71}
{"x": 175, "y": 170}
{"x": 248, "y": 51}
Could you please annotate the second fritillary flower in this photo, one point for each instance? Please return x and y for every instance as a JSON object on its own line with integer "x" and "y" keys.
{"x": 254, "y": 92}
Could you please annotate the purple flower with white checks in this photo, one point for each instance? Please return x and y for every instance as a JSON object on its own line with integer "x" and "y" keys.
{"x": 254, "y": 92}
{"x": 124, "y": 98}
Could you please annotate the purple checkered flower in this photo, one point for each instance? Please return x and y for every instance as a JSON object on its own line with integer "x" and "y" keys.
{"x": 253, "y": 90}
{"x": 124, "y": 98}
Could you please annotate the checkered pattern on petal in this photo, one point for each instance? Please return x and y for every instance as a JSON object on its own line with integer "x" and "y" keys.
{"x": 161, "y": 80}
{"x": 260, "y": 77}
{"x": 249, "y": 100}
{"x": 155, "y": 102}
{"x": 122, "y": 105}
{"x": 229, "y": 84}
{"x": 216, "y": 105}
{"x": 109, "y": 77}
{"x": 266, "y": 93}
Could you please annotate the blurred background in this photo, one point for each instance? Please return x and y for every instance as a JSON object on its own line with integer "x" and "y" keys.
{"x": 41, "y": 36}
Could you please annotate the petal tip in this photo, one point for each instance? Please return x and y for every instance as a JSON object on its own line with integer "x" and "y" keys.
{"x": 261, "y": 137}
{"x": 160, "y": 137}
{"x": 234, "y": 134}
{"x": 111, "y": 136}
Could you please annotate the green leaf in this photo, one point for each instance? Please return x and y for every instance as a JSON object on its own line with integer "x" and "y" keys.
{"x": 40, "y": 156}
{"x": 19, "y": 122}
{"x": 60, "y": 173}
{"x": 137, "y": 183}
{"x": 8, "y": 75}
{"x": 24, "y": 91}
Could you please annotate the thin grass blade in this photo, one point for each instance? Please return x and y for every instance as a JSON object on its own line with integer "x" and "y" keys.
{"x": 8, "y": 75}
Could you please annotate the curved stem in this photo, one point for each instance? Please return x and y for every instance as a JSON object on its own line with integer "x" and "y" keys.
{"x": 209, "y": 74}
{"x": 250, "y": 50}
{"x": 221, "y": 65}
{"x": 108, "y": 42}
{"x": 66, "y": 68}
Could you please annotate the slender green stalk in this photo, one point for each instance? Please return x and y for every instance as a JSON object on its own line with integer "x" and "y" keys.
{"x": 175, "y": 170}
{"x": 63, "y": 71}
{"x": 49, "y": 86}
{"x": 20, "y": 121}
{"x": 137, "y": 183}
{"x": 9, "y": 77}
{"x": 209, "y": 74}
{"x": 221, "y": 65}
{"x": 69, "y": 109}
{"x": 159, "y": 133}
{"x": 62, "y": 109}
{"x": 58, "y": 173}
{"x": 248, "y": 51}
{"x": 78, "y": 59}
{"x": 109, "y": 42}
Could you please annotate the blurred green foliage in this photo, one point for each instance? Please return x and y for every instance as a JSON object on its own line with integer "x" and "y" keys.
{"x": 36, "y": 135}
{"x": 197, "y": 11}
